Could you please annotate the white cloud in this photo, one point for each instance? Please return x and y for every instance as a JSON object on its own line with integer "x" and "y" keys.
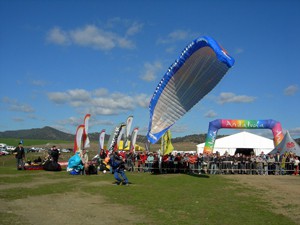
{"x": 99, "y": 101}
{"x": 151, "y": 69}
{"x": 105, "y": 111}
{"x": 228, "y": 97}
{"x": 134, "y": 28}
{"x": 291, "y": 90}
{"x": 39, "y": 83}
{"x": 95, "y": 37}
{"x": 210, "y": 114}
{"x": 21, "y": 108}
{"x": 78, "y": 95}
{"x": 177, "y": 35}
{"x": 58, "y": 97}
{"x": 142, "y": 100}
{"x": 177, "y": 128}
{"x": 58, "y": 36}
{"x": 14, "y": 105}
{"x": 100, "y": 92}
{"x": 74, "y": 121}
{"x": 295, "y": 132}
{"x": 75, "y": 97}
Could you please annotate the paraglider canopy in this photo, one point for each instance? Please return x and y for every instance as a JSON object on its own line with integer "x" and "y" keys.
{"x": 200, "y": 67}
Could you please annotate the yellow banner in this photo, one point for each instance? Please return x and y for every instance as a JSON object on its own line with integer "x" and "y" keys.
{"x": 166, "y": 144}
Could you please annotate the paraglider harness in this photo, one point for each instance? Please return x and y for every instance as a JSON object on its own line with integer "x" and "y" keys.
{"x": 116, "y": 162}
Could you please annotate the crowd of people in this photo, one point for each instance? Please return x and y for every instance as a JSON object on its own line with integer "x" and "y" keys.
{"x": 262, "y": 164}
{"x": 182, "y": 162}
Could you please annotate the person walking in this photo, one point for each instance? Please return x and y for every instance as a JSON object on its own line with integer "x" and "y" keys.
{"x": 19, "y": 153}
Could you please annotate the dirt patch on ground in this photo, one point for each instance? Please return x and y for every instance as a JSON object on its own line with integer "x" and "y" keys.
{"x": 66, "y": 208}
{"x": 281, "y": 191}
{"x": 71, "y": 209}
{"x": 37, "y": 182}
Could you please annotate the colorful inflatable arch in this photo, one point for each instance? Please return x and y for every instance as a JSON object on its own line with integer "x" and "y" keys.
{"x": 215, "y": 125}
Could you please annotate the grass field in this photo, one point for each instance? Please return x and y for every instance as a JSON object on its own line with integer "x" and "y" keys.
{"x": 42, "y": 197}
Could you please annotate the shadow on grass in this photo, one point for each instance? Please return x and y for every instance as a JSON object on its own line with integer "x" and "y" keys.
{"x": 188, "y": 174}
{"x": 199, "y": 175}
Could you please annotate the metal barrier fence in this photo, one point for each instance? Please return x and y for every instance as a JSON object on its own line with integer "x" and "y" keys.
{"x": 224, "y": 167}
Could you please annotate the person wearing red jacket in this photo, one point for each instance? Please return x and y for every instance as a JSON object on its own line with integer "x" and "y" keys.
{"x": 143, "y": 158}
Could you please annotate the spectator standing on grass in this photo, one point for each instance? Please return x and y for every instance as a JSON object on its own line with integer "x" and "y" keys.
{"x": 271, "y": 164}
{"x": 260, "y": 165}
{"x": 213, "y": 164}
{"x": 102, "y": 155}
{"x": 138, "y": 162}
{"x": 265, "y": 165}
{"x": 177, "y": 160}
{"x": 143, "y": 158}
{"x": 277, "y": 163}
{"x": 192, "y": 162}
{"x": 150, "y": 160}
{"x": 252, "y": 161}
{"x": 54, "y": 154}
{"x": 282, "y": 164}
{"x": 130, "y": 160}
{"x": 243, "y": 160}
{"x": 19, "y": 153}
{"x": 296, "y": 165}
{"x": 289, "y": 166}
{"x": 85, "y": 160}
{"x": 235, "y": 165}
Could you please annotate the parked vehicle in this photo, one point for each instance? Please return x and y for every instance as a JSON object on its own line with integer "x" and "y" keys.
{"x": 3, "y": 151}
{"x": 4, "y": 146}
{"x": 65, "y": 150}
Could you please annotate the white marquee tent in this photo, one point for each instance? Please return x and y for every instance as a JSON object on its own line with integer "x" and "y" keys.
{"x": 242, "y": 140}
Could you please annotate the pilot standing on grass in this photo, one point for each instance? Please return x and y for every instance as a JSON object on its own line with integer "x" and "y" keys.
{"x": 19, "y": 153}
{"x": 118, "y": 167}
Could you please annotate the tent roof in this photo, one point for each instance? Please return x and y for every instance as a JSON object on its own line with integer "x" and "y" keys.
{"x": 288, "y": 144}
{"x": 243, "y": 139}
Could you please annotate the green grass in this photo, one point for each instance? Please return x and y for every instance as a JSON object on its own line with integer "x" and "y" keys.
{"x": 165, "y": 199}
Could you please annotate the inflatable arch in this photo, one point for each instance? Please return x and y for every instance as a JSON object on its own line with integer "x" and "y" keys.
{"x": 215, "y": 125}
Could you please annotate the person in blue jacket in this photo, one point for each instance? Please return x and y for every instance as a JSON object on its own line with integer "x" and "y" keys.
{"x": 118, "y": 168}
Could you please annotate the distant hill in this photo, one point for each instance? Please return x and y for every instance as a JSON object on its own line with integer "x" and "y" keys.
{"x": 49, "y": 133}
{"x": 45, "y": 133}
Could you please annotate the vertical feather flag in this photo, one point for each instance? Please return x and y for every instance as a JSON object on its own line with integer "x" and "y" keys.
{"x": 133, "y": 138}
{"x": 128, "y": 127}
{"x": 85, "y": 137}
{"x": 121, "y": 133}
{"x": 101, "y": 140}
{"x": 112, "y": 142}
{"x": 78, "y": 144}
{"x": 166, "y": 144}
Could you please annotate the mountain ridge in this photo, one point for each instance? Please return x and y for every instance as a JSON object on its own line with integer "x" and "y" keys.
{"x": 50, "y": 133}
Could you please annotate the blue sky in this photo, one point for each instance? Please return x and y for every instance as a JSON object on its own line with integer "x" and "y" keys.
{"x": 62, "y": 59}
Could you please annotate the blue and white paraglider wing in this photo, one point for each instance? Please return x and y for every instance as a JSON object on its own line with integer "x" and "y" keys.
{"x": 200, "y": 67}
